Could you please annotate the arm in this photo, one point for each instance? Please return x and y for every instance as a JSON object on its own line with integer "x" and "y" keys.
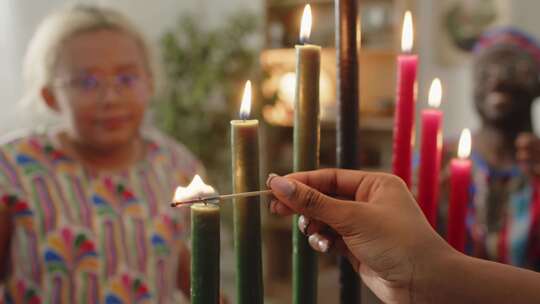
{"x": 377, "y": 224}
{"x": 458, "y": 278}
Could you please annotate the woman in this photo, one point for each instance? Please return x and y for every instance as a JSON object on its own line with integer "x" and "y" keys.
{"x": 503, "y": 220}
{"x": 85, "y": 214}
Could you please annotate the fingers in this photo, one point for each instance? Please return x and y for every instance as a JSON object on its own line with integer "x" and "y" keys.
{"x": 305, "y": 200}
{"x": 320, "y": 242}
{"x": 348, "y": 184}
{"x": 280, "y": 209}
{"x": 321, "y": 237}
{"x": 303, "y": 224}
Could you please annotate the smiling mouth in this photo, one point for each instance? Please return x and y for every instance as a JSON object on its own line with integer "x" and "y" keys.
{"x": 498, "y": 98}
{"x": 115, "y": 122}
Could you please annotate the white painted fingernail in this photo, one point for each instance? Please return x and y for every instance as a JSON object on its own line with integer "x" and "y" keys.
{"x": 313, "y": 241}
{"x": 303, "y": 223}
{"x": 318, "y": 242}
{"x": 270, "y": 176}
{"x": 324, "y": 244}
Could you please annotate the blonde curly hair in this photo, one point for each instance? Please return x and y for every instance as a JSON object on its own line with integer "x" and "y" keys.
{"x": 46, "y": 43}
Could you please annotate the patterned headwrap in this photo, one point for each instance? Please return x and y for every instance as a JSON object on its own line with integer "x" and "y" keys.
{"x": 510, "y": 37}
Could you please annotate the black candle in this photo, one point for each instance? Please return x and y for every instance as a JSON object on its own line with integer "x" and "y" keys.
{"x": 347, "y": 35}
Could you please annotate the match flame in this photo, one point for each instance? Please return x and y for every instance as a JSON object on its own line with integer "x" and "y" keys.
{"x": 196, "y": 189}
{"x": 407, "y": 35}
{"x": 464, "y": 147}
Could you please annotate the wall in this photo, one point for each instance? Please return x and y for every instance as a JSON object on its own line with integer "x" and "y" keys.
{"x": 524, "y": 14}
{"x": 455, "y": 78}
{"x": 18, "y": 18}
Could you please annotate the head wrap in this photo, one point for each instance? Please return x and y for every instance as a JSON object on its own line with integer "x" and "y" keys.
{"x": 511, "y": 37}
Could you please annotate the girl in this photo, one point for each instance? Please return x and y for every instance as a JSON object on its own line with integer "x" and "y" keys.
{"x": 84, "y": 214}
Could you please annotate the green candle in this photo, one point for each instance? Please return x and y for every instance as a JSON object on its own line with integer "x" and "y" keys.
{"x": 247, "y": 218}
{"x": 205, "y": 253}
{"x": 306, "y": 155}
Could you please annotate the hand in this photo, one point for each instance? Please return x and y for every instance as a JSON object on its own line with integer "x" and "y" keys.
{"x": 375, "y": 222}
{"x": 528, "y": 153}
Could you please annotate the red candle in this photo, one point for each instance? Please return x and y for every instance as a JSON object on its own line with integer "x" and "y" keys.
{"x": 460, "y": 182}
{"x": 405, "y": 102}
{"x": 430, "y": 154}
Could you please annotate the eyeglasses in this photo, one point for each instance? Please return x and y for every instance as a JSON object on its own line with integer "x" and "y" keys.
{"x": 93, "y": 87}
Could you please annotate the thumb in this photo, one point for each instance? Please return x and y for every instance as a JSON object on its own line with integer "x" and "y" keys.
{"x": 314, "y": 204}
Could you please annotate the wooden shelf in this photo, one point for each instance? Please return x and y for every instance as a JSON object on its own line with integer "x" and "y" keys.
{"x": 381, "y": 29}
{"x": 377, "y": 85}
{"x": 382, "y": 124}
{"x": 288, "y": 3}
{"x": 294, "y": 3}
{"x": 377, "y": 124}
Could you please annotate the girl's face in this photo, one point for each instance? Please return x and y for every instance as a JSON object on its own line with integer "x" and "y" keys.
{"x": 101, "y": 87}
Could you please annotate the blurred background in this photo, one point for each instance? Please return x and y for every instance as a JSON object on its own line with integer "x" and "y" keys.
{"x": 208, "y": 48}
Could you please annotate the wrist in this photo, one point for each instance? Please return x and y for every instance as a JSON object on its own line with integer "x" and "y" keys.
{"x": 431, "y": 273}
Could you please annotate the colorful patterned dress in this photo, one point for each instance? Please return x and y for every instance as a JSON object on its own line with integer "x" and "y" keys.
{"x": 80, "y": 237}
{"x": 503, "y": 216}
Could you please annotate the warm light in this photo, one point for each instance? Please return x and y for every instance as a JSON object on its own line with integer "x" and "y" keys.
{"x": 196, "y": 189}
{"x": 407, "y": 35}
{"x": 435, "y": 93}
{"x": 464, "y": 147}
{"x": 358, "y": 32}
{"x": 326, "y": 90}
{"x": 305, "y": 27}
{"x": 245, "y": 107}
{"x": 287, "y": 88}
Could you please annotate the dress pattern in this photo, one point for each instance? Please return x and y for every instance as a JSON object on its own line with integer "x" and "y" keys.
{"x": 84, "y": 237}
{"x": 503, "y": 215}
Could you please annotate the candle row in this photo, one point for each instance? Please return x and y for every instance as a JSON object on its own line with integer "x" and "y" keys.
{"x": 430, "y": 146}
{"x": 205, "y": 219}
{"x": 245, "y": 165}
{"x": 247, "y": 223}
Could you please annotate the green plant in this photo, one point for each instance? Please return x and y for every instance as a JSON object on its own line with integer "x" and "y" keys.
{"x": 205, "y": 70}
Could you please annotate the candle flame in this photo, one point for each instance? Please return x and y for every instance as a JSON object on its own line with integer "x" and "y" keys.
{"x": 245, "y": 107}
{"x": 464, "y": 147}
{"x": 407, "y": 35}
{"x": 359, "y": 32}
{"x": 435, "y": 93}
{"x": 305, "y": 26}
{"x": 196, "y": 189}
